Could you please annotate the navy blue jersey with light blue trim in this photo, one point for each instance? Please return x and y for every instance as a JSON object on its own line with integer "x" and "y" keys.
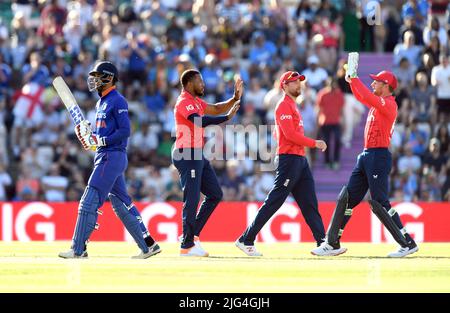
{"x": 112, "y": 121}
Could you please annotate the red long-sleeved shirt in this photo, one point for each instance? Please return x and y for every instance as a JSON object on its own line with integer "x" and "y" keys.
{"x": 289, "y": 128}
{"x": 382, "y": 115}
{"x": 188, "y": 134}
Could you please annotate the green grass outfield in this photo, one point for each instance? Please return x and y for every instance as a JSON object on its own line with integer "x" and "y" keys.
{"x": 35, "y": 267}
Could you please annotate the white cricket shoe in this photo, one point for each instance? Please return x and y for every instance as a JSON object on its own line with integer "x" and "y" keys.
{"x": 326, "y": 249}
{"x": 152, "y": 250}
{"x": 71, "y": 255}
{"x": 196, "y": 242}
{"x": 194, "y": 251}
{"x": 403, "y": 251}
{"x": 248, "y": 250}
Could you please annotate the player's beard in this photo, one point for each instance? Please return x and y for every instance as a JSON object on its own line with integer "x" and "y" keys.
{"x": 296, "y": 93}
{"x": 199, "y": 92}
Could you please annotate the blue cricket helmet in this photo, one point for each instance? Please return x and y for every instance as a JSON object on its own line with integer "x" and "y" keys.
{"x": 102, "y": 73}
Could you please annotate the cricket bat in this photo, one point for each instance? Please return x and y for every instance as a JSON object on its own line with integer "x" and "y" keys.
{"x": 352, "y": 64}
{"x": 69, "y": 100}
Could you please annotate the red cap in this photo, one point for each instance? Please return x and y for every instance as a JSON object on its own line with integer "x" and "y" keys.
{"x": 385, "y": 77}
{"x": 290, "y": 76}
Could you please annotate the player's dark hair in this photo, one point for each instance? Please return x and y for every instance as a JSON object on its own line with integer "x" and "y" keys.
{"x": 187, "y": 76}
{"x": 391, "y": 89}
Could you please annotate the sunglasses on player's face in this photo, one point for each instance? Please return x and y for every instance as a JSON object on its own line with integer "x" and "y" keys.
{"x": 294, "y": 76}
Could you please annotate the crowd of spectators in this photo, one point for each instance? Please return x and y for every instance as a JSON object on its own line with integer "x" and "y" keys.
{"x": 152, "y": 42}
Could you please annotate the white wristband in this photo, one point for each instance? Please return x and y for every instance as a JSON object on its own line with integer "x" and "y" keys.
{"x": 101, "y": 141}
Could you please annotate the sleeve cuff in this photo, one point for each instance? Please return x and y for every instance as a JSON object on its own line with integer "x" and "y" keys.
{"x": 311, "y": 143}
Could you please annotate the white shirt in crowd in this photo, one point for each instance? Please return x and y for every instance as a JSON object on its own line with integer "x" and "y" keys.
{"x": 256, "y": 97}
{"x": 316, "y": 78}
{"x": 440, "y": 78}
{"x": 5, "y": 180}
{"x": 270, "y": 102}
{"x": 261, "y": 185}
{"x": 406, "y": 163}
{"x": 145, "y": 142}
{"x": 441, "y": 34}
{"x": 55, "y": 195}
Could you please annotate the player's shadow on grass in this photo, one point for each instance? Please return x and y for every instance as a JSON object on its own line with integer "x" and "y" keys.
{"x": 265, "y": 258}
{"x": 385, "y": 257}
{"x": 330, "y": 258}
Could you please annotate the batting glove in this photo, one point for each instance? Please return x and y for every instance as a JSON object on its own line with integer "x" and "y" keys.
{"x": 92, "y": 142}
{"x": 83, "y": 129}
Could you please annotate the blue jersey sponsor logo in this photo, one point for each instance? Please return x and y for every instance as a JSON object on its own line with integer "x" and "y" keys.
{"x": 101, "y": 115}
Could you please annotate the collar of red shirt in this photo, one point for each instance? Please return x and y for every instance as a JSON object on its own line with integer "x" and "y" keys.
{"x": 187, "y": 94}
{"x": 107, "y": 91}
{"x": 288, "y": 99}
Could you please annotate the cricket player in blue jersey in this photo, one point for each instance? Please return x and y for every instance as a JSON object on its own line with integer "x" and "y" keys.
{"x": 109, "y": 139}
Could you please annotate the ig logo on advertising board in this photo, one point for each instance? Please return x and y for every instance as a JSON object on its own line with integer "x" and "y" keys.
{"x": 269, "y": 235}
{"x": 170, "y": 229}
{"x": 18, "y": 226}
{"x": 416, "y": 229}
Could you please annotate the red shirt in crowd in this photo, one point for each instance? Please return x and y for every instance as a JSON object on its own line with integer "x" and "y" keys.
{"x": 188, "y": 134}
{"x": 330, "y": 103}
{"x": 330, "y": 33}
{"x": 382, "y": 115}
{"x": 289, "y": 128}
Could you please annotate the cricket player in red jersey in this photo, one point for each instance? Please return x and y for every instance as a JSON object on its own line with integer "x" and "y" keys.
{"x": 372, "y": 168}
{"x": 293, "y": 172}
{"x": 192, "y": 114}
